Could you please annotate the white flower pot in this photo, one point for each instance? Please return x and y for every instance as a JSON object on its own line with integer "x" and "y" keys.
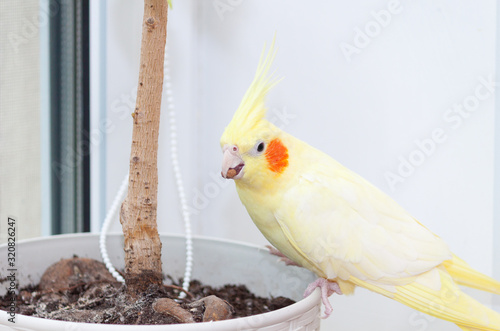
{"x": 216, "y": 262}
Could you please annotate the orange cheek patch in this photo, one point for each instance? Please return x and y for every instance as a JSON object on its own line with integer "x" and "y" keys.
{"x": 277, "y": 156}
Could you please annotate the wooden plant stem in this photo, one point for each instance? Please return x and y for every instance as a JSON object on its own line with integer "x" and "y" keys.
{"x": 138, "y": 211}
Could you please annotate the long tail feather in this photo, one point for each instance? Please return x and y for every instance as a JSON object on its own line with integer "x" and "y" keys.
{"x": 447, "y": 302}
{"x": 465, "y": 328}
{"x": 463, "y": 274}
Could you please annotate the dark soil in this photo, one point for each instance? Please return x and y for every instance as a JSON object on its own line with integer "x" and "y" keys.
{"x": 81, "y": 290}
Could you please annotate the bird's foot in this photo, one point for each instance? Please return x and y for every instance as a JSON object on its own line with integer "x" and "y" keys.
{"x": 327, "y": 289}
{"x": 282, "y": 257}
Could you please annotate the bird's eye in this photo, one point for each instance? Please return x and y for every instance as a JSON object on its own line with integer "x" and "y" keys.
{"x": 260, "y": 147}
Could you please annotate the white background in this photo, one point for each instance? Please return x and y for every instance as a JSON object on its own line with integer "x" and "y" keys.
{"x": 366, "y": 110}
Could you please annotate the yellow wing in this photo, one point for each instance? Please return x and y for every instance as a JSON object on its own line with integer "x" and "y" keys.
{"x": 345, "y": 227}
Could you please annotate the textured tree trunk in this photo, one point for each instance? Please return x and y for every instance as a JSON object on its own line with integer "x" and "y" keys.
{"x": 138, "y": 211}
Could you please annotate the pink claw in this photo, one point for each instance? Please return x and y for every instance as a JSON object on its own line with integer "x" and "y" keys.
{"x": 327, "y": 289}
{"x": 282, "y": 257}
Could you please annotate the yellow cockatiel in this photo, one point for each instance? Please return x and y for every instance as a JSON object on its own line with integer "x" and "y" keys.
{"x": 326, "y": 218}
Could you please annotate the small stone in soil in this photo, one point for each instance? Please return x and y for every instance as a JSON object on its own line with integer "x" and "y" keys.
{"x": 68, "y": 273}
{"x": 169, "y": 307}
{"x": 216, "y": 309}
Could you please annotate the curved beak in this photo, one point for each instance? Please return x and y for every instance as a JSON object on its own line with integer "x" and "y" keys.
{"x": 232, "y": 163}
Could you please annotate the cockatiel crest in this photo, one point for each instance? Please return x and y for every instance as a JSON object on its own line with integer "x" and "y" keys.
{"x": 256, "y": 140}
{"x": 252, "y": 110}
{"x": 328, "y": 219}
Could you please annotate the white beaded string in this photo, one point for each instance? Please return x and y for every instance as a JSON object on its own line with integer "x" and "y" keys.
{"x": 105, "y": 226}
{"x": 167, "y": 86}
